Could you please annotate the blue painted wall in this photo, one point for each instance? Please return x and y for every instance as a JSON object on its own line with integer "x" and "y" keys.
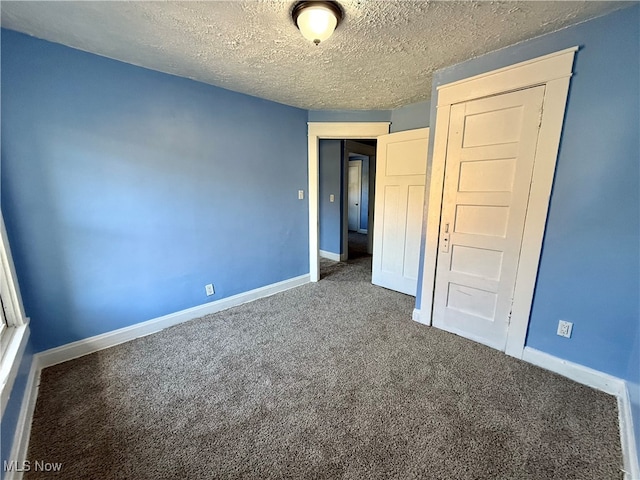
{"x": 349, "y": 115}
{"x": 590, "y": 261}
{"x": 330, "y": 156}
{"x": 410, "y": 117}
{"x": 125, "y": 191}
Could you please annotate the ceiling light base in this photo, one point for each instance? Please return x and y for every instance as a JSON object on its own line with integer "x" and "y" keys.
{"x": 316, "y": 20}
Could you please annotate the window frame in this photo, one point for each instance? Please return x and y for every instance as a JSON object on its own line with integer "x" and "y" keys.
{"x": 13, "y": 337}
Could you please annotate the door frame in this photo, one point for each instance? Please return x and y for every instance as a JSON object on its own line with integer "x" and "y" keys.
{"x": 337, "y": 131}
{"x": 554, "y": 71}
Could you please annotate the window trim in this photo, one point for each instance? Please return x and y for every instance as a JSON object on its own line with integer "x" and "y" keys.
{"x": 13, "y": 338}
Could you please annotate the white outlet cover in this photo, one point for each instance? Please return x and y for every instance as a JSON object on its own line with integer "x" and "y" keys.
{"x": 564, "y": 328}
{"x": 209, "y": 289}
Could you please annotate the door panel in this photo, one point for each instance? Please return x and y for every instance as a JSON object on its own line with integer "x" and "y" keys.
{"x": 477, "y": 262}
{"x": 401, "y": 159}
{"x": 390, "y": 254}
{"x": 506, "y": 124}
{"x": 490, "y": 155}
{"x": 400, "y": 184}
{"x": 415, "y": 209}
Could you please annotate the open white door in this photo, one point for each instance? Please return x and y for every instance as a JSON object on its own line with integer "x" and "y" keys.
{"x": 490, "y": 158}
{"x": 399, "y": 204}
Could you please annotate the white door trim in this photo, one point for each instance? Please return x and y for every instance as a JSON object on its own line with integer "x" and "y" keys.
{"x": 330, "y": 130}
{"x": 554, "y": 71}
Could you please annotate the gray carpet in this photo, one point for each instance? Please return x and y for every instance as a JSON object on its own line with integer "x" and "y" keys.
{"x": 358, "y": 244}
{"x": 327, "y": 381}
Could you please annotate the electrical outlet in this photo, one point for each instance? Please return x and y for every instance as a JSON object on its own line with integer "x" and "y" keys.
{"x": 300, "y": 194}
{"x": 564, "y": 328}
{"x": 209, "y": 289}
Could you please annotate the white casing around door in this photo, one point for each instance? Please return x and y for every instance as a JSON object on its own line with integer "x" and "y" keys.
{"x": 399, "y": 206}
{"x": 490, "y": 157}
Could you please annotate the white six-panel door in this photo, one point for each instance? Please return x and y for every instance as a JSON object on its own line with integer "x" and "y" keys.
{"x": 399, "y": 205}
{"x": 489, "y": 163}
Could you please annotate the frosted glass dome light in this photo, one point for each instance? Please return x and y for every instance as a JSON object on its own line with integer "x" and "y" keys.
{"x": 317, "y": 20}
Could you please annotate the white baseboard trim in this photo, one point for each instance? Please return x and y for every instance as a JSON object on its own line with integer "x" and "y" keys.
{"x": 25, "y": 418}
{"x": 628, "y": 437}
{"x": 109, "y": 339}
{"x": 600, "y": 381}
{"x": 579, "y": 373}
{"x": 363, "y": 230}
{"x": 336, "y": 257}
{"x": 417, "y": 316}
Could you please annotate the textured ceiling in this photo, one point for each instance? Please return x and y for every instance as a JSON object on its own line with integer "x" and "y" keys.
{"x": 381, "y": 56}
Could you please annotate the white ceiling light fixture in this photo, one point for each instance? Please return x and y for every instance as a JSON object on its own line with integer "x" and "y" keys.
{"x": 317, "y": 20}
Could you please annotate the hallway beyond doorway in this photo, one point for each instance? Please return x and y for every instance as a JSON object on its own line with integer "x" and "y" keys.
{"x": 358, "y": 244}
